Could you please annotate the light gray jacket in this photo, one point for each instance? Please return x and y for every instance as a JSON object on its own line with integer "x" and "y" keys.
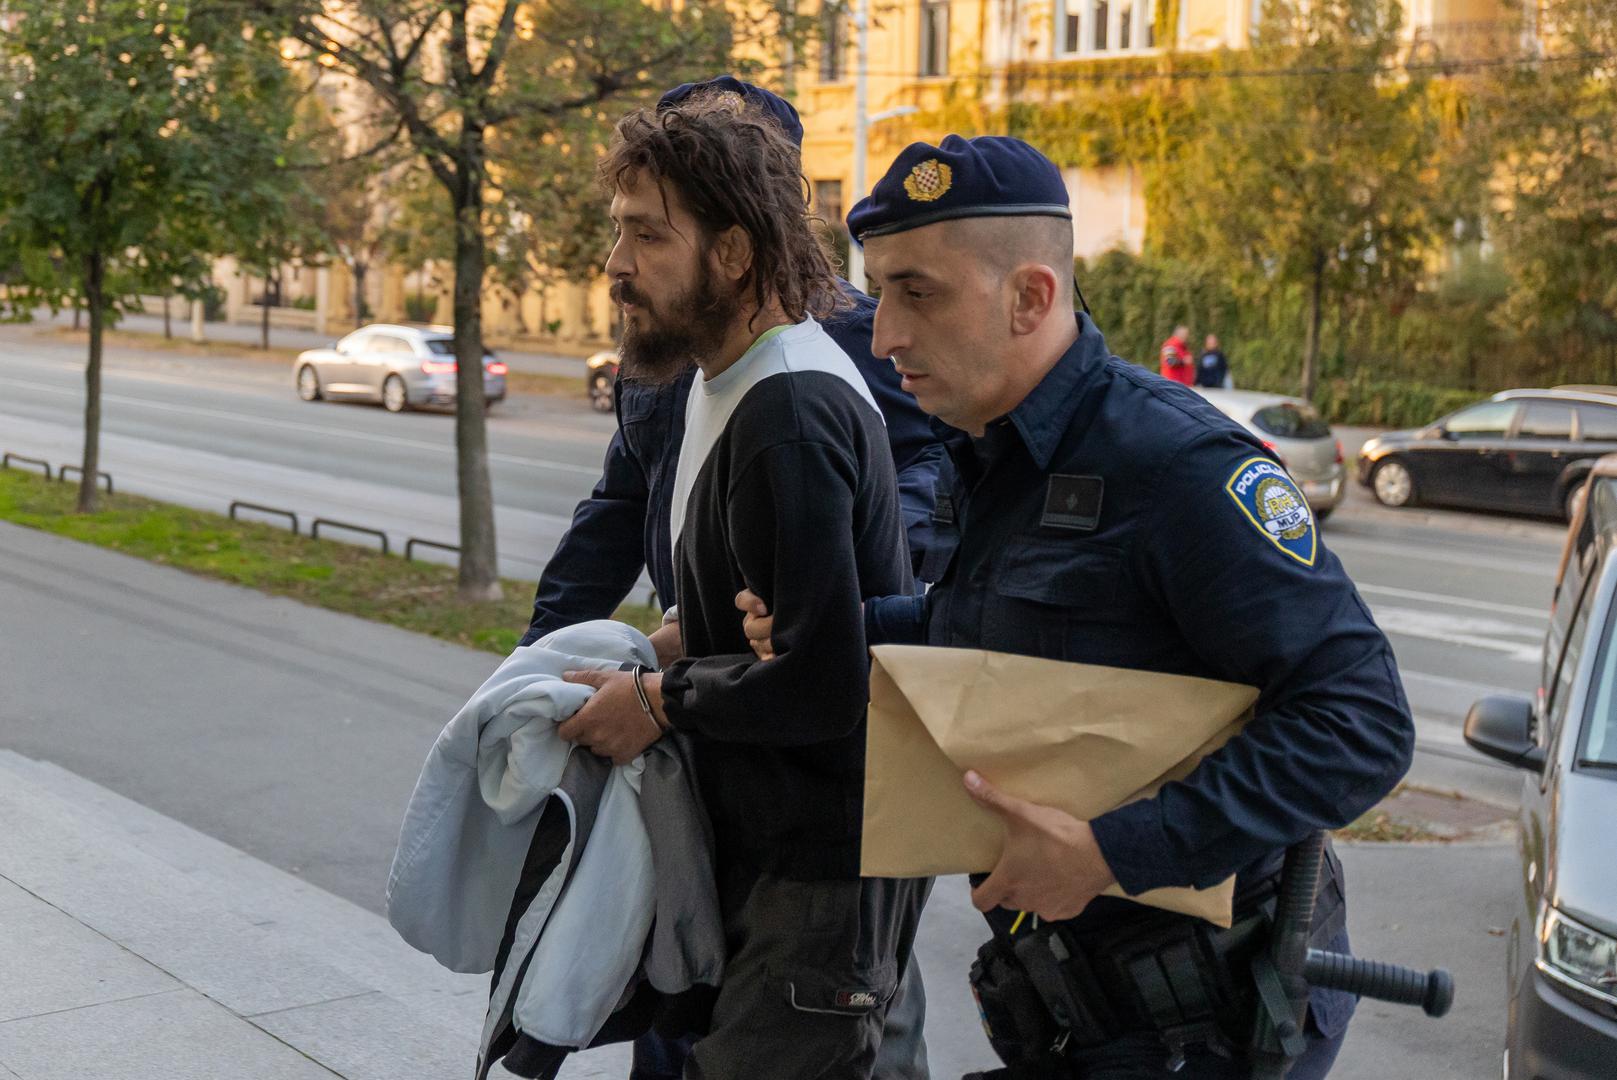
{"x": 638, "y": 851}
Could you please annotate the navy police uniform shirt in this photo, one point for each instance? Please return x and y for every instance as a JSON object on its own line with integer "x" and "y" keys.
{"x": 1114, "y": 518}
{"x": 624, "y": 524}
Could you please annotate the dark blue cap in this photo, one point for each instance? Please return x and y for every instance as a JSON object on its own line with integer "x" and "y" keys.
{"x": 989, "y": 176}
{"x": 777, "y": 107}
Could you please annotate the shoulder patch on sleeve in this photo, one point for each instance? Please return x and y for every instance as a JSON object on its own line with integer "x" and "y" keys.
{"x": 1269, "y": 499}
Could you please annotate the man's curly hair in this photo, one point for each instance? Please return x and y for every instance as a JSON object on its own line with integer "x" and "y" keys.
{"x": 731, "y": 165}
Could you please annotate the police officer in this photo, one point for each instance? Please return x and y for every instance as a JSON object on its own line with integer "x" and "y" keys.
{"x": 1105, "y": 515}
{"x": 624, "y": 525}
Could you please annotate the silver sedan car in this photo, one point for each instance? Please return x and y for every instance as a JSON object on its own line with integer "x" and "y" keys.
{"x": 400, "y": 366}
{"x": 1293, "y": 429}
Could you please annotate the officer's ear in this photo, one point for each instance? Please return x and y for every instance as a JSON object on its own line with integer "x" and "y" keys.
{"x": 731, "y": 252}
{"x": 1035, "y": 291}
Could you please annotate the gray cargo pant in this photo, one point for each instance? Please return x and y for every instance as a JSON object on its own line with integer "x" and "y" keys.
{"x": 812, "y": 972}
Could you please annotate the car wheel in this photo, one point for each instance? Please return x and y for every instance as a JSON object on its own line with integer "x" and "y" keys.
{"x": 1392, "y": 484}
{"x": 1573, "y": 496}
{"x": 1321, "y": 515}
{"x": 308, "y": 383}
{"x": 601, "y": 391}
{"x": 394, "y": 398}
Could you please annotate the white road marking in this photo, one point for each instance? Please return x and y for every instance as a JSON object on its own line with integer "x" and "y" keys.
{"x": 1475, "y": 689}
{"x": 1520, "y": 643}
{"x": 318, "y": 429}
{"x": 1456, "y": 601}
{"x": 1527, "y": 564}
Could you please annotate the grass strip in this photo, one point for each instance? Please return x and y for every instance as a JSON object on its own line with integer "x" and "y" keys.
{"x": 1380, "y": 827}
{"x": 341, "y": 577}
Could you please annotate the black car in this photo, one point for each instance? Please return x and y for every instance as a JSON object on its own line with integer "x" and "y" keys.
{"x": 1561, "y": 964}
{"x": 1527, "y": 451}
{"x": 601, "y": 379}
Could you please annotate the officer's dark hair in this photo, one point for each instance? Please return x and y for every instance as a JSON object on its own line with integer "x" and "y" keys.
{"x": 1004, "y": 243}
{"x": 732, "y": 166}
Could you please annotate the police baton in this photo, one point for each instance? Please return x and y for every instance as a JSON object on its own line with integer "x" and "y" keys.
{"x": 1288, "y": 968}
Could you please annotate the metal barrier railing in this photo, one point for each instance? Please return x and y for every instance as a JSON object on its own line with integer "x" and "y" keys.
{"x": 61, "y": 475}
{"x": 314, "y": 530}
{"x": 415, "y": 541}
{"x": 237, "y": 505}
{"x": 276, "y": 511}
{"x": 8, "y": 457}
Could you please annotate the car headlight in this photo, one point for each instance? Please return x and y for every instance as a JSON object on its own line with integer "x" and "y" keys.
{"x": 1574, "y": 953}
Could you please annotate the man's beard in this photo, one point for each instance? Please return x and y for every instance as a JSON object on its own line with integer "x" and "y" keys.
{"x": 693, "y": 329}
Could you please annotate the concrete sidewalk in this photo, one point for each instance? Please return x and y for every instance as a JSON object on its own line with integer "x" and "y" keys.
{"x": 138, "y": 949}
{"x": 134, "y": 946}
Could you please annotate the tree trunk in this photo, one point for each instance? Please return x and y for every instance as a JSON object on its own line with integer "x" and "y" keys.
{"x": 168, "y": 327}
{"x": 94, "y": 274}
{"x": 359, "y": 293}
{"x": 1316, "y": 310}
{"x": 78, "y": 314}
{"x": 479, "y": 567}
{"x": 263, "y": 318}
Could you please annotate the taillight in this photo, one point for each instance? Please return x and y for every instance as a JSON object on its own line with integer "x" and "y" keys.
{"x": 497, "y": 368}
{"x": 1273, "y": 449}
{"x": 437, "y": 367}
{"x": 1339, "y": 451}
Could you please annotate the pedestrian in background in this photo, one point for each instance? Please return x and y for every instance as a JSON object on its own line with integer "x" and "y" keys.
{"x": 1213, "y": 369}
{"x": 1177, "y": 363}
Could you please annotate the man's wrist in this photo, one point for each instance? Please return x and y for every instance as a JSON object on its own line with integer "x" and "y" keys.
{"x": 652, "y": 681}
{"x": 639, "y": 676}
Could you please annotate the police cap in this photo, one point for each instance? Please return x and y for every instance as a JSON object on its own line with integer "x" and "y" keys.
{"x": 775, "y": 106}
{"x": 989, "y": 176}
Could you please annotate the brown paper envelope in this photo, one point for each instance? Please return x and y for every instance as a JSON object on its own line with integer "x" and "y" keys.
{"x": 1079, "y": 737}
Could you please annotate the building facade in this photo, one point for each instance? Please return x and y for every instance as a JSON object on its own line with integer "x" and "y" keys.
{"x": 923, "y": 57}
{"x": 925, "y": 54}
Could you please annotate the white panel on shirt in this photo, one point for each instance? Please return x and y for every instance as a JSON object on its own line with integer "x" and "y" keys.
{"x": 799, "y": 348}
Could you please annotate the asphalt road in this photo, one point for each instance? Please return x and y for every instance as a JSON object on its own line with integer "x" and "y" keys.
{"x": 206, "y": 432}
{"x": 1463, "y": 596}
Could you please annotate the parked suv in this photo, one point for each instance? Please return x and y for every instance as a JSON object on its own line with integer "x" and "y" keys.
{"x": 1523, "y": 450}
{"x": 1561, "y": 962}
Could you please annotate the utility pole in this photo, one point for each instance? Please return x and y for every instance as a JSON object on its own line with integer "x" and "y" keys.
{"x": 861, "y": 131}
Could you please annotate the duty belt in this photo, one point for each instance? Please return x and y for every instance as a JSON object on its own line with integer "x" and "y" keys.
{"x": 1047, "y": 990}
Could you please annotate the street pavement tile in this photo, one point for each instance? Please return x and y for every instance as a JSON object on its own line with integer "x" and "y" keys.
{"x": 154, "y": 911}
{"x": 52, "y": 962}
{"x": 373, "y": 1037}
{"x": 179, "y": 1035}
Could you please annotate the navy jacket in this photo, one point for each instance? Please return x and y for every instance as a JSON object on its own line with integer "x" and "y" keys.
{"x": 1116, "y": 518}
{"x": 624, "y": 524}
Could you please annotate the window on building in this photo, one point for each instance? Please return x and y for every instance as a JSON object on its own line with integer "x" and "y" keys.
{"x": 833, "y": 41}
{"x": 1072, "y": 35}
{"x": 828, "y": 205}
{"x": 1084, "y": 27}
{"x": 935, "y": 37}
{"x": 828, "y": 200}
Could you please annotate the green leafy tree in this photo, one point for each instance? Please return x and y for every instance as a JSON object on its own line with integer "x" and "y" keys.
{"x": 354, "y": 216}
{"x": 1308, "y": 164}
{"x": 1544, "y": 134}
{"x": 447, "y": 76}
{"x": 136, "y": 134}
